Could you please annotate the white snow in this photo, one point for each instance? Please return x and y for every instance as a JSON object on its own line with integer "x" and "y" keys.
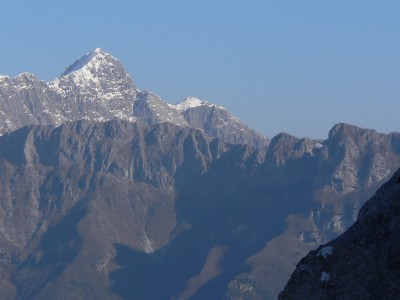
{"x": 325, "y": 251}
{"x": 190, "y": 102}
{"x": 147, "y": 244}
{"x": 82, "y": 62}
{"x": 26, "y": 74}
{"x": 318, "y": 145}
{"x": 325, "y": 276}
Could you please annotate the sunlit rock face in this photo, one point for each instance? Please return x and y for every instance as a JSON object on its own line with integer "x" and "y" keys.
{"x": 96, "y": 87}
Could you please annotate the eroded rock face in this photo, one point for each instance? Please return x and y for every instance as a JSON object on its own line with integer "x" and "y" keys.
{"x": 329, "y": 205}
{"x": 106, "y": 210}
{"x": 216, "y": 121}
{"x": 151, "y": 109}
{"x": 362, "y": 263}
{"x": 77, "y": 198}
{"x": 27, "y": 100}
{"x": 70, "y": 194}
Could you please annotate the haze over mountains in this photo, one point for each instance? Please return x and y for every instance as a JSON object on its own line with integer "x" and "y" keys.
{"x": 109, "y": 192}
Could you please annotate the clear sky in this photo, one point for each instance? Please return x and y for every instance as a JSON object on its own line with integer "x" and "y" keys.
{"x": 293, "y": 66}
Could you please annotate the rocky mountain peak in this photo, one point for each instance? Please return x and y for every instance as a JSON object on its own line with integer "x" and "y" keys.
{"x": 193, "y": 102}
{"x": 149, "y": 109}
{"x": 91, "y": 62}
{"x": 80, "y": 63}
{"x": 344, "y": 129}
{"x": 97, "y": 74}
{"x": 96, "y": 87}
{"x": 27, "y": 75}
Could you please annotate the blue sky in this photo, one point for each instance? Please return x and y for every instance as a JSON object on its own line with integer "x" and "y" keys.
{"x": 293, "y": 66}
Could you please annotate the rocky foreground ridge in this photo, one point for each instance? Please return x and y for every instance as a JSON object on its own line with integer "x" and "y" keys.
{"x": 362, "y": 263}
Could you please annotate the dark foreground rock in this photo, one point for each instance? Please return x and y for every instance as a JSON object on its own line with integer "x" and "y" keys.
{"x": 363, "y": 263}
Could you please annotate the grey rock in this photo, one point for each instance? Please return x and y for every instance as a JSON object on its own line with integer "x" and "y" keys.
{"x": 97, "y": 88}
{"x": 328, "y": 199}
{"x": 218, "y": 122}
{"x": 150, "y": 109}
{"x": 362, "y": 263}
{"x": 87, "y": 205}
{"x": 84, "y": 200}
{"x": 27, "y": 100}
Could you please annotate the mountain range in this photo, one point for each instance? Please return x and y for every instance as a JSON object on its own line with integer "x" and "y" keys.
{"x": 97, "y": 88}
{"x": 110, "y": 192}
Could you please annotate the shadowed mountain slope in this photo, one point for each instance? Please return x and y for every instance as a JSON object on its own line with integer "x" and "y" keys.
{"x": 119, "y": 210}
{"x": 363, "y": 262}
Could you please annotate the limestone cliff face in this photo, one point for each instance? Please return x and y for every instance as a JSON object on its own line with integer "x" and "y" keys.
{"x": 151, "y": 109}
{"x": 217, "y": 121}
{"x": 69, "y": 194}
{"x": 362, "y": 263}
{"x": 103, "y": 209}
{"x": 354, "y": 148}
{"x": 327, "y": 181}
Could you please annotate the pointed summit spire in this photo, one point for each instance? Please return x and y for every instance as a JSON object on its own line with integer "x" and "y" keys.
{"x": 96, "y": 87}
{"x": 91, "y": 59}
{"x": 97, "y": 68}
{"x": 80, "y": 63}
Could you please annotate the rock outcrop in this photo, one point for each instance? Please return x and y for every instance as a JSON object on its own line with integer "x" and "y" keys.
{"x": 363, "y": 262}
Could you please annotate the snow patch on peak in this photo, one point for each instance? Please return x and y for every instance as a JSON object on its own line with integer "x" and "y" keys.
{"x": 147, "y": 244}
{"x": 26, "y": 78}
{"x": 25, "y": 74}
{"x": 80, "y": 63}
{"x": 318, "y": 145}
{"x": 83, "y": 61}
{"x": 191, "y": 102}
